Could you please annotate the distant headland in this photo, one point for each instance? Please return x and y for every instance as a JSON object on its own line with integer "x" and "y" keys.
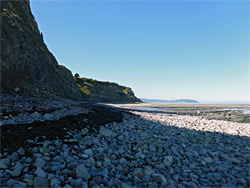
{"x": 178, "y": 101}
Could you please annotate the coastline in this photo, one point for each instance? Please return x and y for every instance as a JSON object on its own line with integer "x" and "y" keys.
{"x": 113, "y": 147}
{"x": 227, "y": 112}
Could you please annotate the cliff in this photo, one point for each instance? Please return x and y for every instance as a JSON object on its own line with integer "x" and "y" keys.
{"x": 93, "y": 90}
{"x": 27, "y": 66}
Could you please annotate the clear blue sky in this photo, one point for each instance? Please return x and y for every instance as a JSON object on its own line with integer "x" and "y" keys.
{"x": 161, "y": 49}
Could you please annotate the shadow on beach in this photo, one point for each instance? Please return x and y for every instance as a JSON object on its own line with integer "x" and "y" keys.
{"x": 199, "y": 158}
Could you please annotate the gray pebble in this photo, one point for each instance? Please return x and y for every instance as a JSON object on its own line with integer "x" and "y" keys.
{"x": 14, "y": 156}
{"x": 41, "y": 182}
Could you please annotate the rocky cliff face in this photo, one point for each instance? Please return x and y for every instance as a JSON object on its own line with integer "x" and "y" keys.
{"x": 93, "y": 90}
{"x": 27, "y": 66}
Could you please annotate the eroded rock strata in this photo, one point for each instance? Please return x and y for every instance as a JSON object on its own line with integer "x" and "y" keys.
{"x": 27, "y": 66}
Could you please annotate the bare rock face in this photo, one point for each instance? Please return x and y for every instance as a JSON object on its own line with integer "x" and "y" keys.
{"x": 27, "y": 66}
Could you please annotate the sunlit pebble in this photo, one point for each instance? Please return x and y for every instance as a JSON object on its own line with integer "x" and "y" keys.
{"x": 141, "y": 139}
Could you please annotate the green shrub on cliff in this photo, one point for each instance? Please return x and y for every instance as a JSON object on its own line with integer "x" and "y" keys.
{"x": 83, "y": 85}
{"x": 128, "y": 90}
{"x": 94, "y": 90}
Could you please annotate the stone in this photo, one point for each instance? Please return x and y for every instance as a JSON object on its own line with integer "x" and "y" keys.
{"x": 123, "y": 161}
{"x": 98, "y": 164}
{"x": 50, "y": 176}
{"x": 243, "y": 181}
{"x": 85, "y": 156}
{"x": 77, "y": 136}
{"x": 70, "y": 159}
{"x": 41, "y": 182}
{"x": 236, "y": 161}
{"x": 168, "y": 161}
{"x": 138, "y": 155}
{"x": 148, "y": 171}
{"x": 40, "y": 162}
{"x": 58, "y": 159}
{"x": 36, "y": 115}
{"x": 67, "y": 186}
{"x": 31, "y": 141}
{"x": 20, "y": 185}
{"x": 146, "y": 178}
{"x": 82, "y": 172}
{"x": 76, "y": 183}
{"x": 48, "y": 116}
{"x": 100, "y": 150}
{"x": 73, "y": 165}
{"x": 139, "y": 173}
{"x": 55, "y": 168}
{"x": 3, "y": 166}
{"x": 117, "y": 182}
{"x": 14, "y": 156}
{"x": 152, "y": 148}
{"x": 44, "y": 150}
{"x": 55, "y": 182}
{"x": 137, "y": 180}
{"x": 193, "y": 176}
{"x": 120, "y": 137}
{"x": 17, "y": 171}
{"x": 26, "y": 169}
{"x": 208, "y": 160}
{"x": 40, "y": 173}
{"x": 120, "y": 151}
{"x": 5, "y": 161}
{"x": 84, "y": 131}
{"x": 125, "y": 185}
{"x": 217, "y": 176}
{"x": 88, "y": 152}
{"x": 29, "y": 182}
{"x": 223, "y": 168}
{"x": 37, "y": 155}
{"x": 66, "y": 172}
{"x": 21, "y": 152}
{"x": 46, "y": 158}
{"x": 159, "y": 178}
{"x": 11, "y": 182}
{"x": 106, "y": 132}
{"x": 29, "y": 177}
{"x": 90, "y": 162}
{"x": 99, "y": 180}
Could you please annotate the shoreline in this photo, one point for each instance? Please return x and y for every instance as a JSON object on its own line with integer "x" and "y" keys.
{"x": 226, "y": 112}
{"x": 113, "y": 147}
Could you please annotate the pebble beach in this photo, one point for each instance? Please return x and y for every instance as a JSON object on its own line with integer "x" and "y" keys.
{"x": 145, "y": 150}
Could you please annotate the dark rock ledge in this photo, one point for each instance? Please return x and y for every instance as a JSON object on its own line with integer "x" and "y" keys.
{"x": 24, "y": 119}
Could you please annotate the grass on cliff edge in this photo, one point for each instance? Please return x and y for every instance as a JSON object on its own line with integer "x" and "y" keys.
{"x": 87, "y": 84}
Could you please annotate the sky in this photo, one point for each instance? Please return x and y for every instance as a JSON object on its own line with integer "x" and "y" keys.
{"x": 161, "y": 49}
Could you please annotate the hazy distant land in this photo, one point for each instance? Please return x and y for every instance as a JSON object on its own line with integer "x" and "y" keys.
{"x": 178, "y": 101}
